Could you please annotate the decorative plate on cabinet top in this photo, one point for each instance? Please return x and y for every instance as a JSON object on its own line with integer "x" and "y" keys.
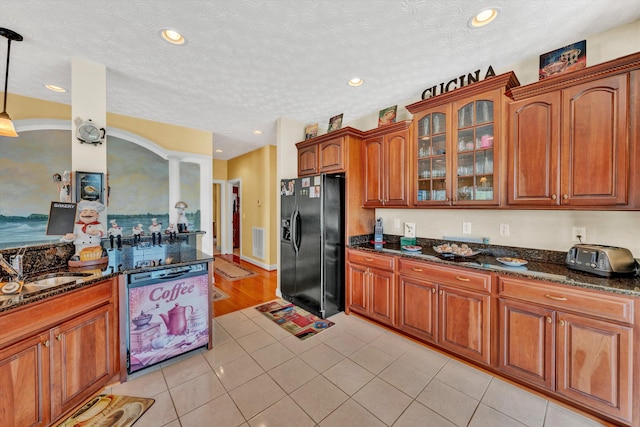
{"x": 512, "y": 262}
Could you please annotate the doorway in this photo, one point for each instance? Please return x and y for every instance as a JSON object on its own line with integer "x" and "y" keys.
{"x": 234, "y": 217}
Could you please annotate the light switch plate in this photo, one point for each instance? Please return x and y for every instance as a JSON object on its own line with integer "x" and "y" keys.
{"x": 409, "y": 229}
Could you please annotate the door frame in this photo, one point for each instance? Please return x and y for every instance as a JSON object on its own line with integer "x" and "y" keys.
{"x": 221, "y": 239}
{"x": 236, "y": 182}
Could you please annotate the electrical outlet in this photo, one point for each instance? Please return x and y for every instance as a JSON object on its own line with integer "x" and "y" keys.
{"x": 396, "y": 223}
{"x": 579, "y": 231}
{"x": 504, "y": 229}
{"x": 466, "y": 228}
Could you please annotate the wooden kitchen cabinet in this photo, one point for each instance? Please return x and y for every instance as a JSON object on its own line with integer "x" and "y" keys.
{"x": 386, "y": 158}
{"x": 575, "y": 343}
{"x": 82, "y": 358}
{"x": 371, "y": 287}
{"x": 328, "y": 153}
{"x": 448, "y": 306}
{"x": 458, "y": 145}
{"x": 24, "y": 371}
{"x": 570, "y": 147}
{"x": 61, "y": 351}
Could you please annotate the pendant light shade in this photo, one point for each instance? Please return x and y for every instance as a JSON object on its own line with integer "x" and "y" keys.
{"x": 6, "y": 125}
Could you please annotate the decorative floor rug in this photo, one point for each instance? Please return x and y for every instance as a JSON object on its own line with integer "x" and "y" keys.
{"x": 218, "y": 295}
{"x": 294, "y": 319}
{"x": 231, "y": 270}
{"x": 109, "y": 410}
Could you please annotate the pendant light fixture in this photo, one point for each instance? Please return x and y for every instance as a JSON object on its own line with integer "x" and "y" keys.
{"x": 6, "y": 125}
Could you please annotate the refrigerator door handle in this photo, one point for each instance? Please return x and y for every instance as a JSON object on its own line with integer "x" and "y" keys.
{"x": 294, "y": 230}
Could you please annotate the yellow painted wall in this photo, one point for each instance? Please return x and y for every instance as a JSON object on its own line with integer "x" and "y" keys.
{"x": 256, "y": 170}
{"x": 220, "y": 169}
{"x": 170, "y": 137}
{"x": 22, "y": 108}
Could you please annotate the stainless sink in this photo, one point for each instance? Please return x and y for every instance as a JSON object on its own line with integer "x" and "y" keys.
{"x": 52, "y": 280}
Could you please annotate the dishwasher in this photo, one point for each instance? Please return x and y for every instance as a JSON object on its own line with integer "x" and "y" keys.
{"x": 168, "y": 314}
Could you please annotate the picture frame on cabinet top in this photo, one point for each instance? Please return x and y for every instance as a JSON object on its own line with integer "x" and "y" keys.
{"x": 310, "y": 131}
{"x": 335, "y": 123}
{"x": 387, "y": 115}
{"x": 564, "y": 60}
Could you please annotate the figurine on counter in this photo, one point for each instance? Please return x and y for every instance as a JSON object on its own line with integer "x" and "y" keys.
{"x": 137, "y": 233}
{"x": 87, "y": 235}
{"x": 182, "y": 217}
{"x": 64, "y": 187}
{"x": 155, "y": 230}
{"x": 171, "y": 231}
{"x": 115, "y": 232}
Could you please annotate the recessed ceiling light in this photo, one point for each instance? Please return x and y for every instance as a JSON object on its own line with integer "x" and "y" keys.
{"x": 218, "y": 151}
{"x": 172, "y": 36}
{"x": 483, "y": 17}
{"x": 355, "y": 82}
{"x": 257, "y": 132}
{"x": 55, "y": 88}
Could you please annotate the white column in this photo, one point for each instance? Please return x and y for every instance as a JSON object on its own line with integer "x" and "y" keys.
{"x": 174, "y": 188}
{"x": 88, "y": 101}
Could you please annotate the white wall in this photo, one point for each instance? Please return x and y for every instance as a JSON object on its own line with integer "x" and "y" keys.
{"x": 542, "y": 229}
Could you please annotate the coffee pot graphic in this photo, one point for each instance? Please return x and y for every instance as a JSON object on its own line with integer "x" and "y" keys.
{"x": 176, "y": 319}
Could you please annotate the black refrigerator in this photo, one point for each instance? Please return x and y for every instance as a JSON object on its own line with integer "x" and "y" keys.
{"x": 312, "y": 243}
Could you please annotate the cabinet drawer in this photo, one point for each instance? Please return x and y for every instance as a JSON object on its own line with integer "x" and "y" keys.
{"x": 384, "y": 262}
{"x": 603, "y": 305}
{"x": 446, "y": 275}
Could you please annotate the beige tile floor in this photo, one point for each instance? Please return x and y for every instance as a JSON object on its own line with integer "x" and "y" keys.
{"x": 353, "y": 374}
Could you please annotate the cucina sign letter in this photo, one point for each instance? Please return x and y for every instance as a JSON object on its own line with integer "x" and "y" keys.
{"x": 463, "y": 80}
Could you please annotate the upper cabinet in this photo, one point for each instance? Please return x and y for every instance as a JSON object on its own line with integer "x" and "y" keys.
{"x": 459, "y": 143}
{"x": 326, "y": 153}
{"x": 386, "y": 162}
{"x": 569, "y": 143}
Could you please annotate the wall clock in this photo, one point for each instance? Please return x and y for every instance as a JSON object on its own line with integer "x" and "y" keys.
{"x": 89, "y": 133}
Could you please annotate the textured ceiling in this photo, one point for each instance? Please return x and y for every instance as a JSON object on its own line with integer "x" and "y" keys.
{"x": 246, "y": 63}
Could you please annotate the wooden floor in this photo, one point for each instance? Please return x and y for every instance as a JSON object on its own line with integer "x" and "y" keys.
{"x": 244, "y": 293}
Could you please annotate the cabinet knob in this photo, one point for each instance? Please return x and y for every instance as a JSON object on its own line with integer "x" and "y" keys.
{"x": 562, "y": 323}
{"x": 368, "y": 259}
{"x": 548, "y": 319}
{"x": 46, "y": 343}
{"x": 440, "y": 292}
{"x": 416, "y": 269}
{"x": 554, "y": 197}
{"x": 433, "y": 290}
{"x": 555, "y": 298}
{"x": 59, "y": 337}
{"x": 463, "y": 279}
{"x": 565, "y": 197}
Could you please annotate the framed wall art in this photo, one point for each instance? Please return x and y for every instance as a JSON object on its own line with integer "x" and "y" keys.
{"x": 89, "y": 186}
{"x": 335, "y": 123}
{"x": 387, "y": 116}
{"x": 564, "y": 60}
{"x": 311, "y": 131}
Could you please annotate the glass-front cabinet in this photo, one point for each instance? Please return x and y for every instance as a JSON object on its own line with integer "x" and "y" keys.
{"x": 457, "y": 144}
{"x": 474, "y": 160}
{"x": 432, "y": 159}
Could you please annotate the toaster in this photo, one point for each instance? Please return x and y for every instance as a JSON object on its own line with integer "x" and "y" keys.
{"x": 601, "y": 260}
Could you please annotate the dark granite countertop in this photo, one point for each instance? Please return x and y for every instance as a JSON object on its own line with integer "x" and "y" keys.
{"x": 99, "y": 273}
{"x": 542, "y": 265}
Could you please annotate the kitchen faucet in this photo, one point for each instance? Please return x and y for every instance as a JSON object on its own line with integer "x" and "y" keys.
{"x": 15, "y": 269}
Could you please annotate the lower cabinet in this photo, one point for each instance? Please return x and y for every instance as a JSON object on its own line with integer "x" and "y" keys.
{"x": 71, "y": 354}
{"x": 447, "y": 306}
{"x": 586, "y": 358}
{"x": 371, "y": 286}
{"x": 24, "y": 377}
